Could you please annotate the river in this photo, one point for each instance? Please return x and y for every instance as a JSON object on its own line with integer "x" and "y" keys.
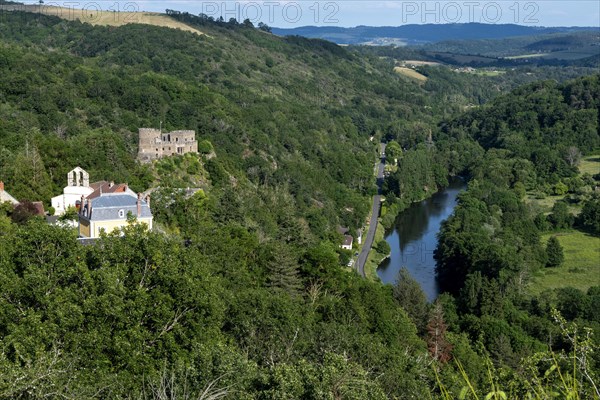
{"x": 413, "y": 239}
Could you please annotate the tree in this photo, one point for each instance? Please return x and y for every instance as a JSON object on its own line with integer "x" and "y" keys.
{"x": 205, "y": 147}
{"x": 393, "y": 150}
{"x": 560, "y": 189}
{"x": 555, "y": 252}
{"x": 383, "y": 247}
{"x": 69, "y": 214}
{"x": 282, "y": 268}
{"x": 439, "y": 347}
{"x": 30, "y": 176}
{"x": 589, "y": 217}
{"x": 264, "y": 27}
{"x": 560, "y": 218}
{"x": 23, "y": 212}
{"x": 409, "y": 295}
{"x": 520, "y": 189}
{"x": 573, "y": 156}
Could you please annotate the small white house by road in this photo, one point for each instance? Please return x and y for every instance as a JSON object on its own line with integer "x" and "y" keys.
{"x": 347, "y": 245}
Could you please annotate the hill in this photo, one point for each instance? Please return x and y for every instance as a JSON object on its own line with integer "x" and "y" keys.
{"x": 418, "y": 34}
{"x": 241, "y": 285}
{"x": 535, "y": 48}
{"x": 518, "y": 274}
{"x": 276, "y": 109}
{"x": 96, "y": 16}
{"x": 242, "y": 291}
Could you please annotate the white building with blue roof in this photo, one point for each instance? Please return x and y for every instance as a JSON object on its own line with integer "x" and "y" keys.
{"x": 108, "y": 212}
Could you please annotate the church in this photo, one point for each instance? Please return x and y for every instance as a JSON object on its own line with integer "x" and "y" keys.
{"x": 78, "y": 185}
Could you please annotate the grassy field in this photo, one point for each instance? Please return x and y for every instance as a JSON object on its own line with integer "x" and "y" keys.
{"x": 590, "y": 165}
{"x": 461, "y": 58}
{"x": 418, "y": 63}
{"x": 411, "y": 73}
{"x": 95, "y": 16}
{"x": 485, "y": 72}
{"x": 576, "y": 54}
{"x": 527, "y": 56}
{"x": 581, "y": 268}
{"x": 546, "y": 203}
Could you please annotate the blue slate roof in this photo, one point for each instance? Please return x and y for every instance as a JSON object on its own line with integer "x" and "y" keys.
{"x": 116, "y": 206}
{"x": 121, "y": 200}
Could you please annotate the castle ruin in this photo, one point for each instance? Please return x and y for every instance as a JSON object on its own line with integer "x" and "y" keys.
{"x": 155, "y": 144}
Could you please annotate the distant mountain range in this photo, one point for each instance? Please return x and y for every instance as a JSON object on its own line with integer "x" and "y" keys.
{"x": 420, "y": 34}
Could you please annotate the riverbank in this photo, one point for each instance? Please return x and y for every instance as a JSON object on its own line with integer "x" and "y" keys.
{"x": 375, "y": 258}
{"x": 413, "y": 239}
{"x": 390, "y": 212}
{"x": 386, "y": 221}
{"x": 374, "y": 218}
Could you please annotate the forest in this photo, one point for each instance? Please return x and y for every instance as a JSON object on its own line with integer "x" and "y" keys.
{"x": 240, "y": 293}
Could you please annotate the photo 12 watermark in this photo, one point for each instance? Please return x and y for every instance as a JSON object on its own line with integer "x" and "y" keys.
{"x": 271, "y": 12}
{"x": 409, "y": 12}
{"x": 298, "y": 12}
{"x": 88, "y": 11}
{"x": 487, "y": 12}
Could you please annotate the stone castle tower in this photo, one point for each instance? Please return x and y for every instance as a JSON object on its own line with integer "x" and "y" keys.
{"x": 154, "y": 144}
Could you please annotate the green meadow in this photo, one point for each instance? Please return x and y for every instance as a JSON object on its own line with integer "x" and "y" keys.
{"x": 581, "y": 268}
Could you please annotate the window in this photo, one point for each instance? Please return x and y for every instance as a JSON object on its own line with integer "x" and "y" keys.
{"x": 121, "y": 213}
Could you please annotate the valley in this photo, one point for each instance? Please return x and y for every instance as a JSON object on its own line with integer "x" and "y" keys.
{"x": 231, "y": 191}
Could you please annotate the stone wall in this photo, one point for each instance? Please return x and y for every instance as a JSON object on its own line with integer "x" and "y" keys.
{"x": 154, "y": 144}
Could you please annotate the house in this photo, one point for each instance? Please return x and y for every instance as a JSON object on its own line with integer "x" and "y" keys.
{"x": 78, "y": 184}
{"x": 347, "y": 245}
{"x": 108, "y": 212}
{"x": 6, "y": 197}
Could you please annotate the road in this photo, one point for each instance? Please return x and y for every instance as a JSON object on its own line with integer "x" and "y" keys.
{"x": 362, "y": 257}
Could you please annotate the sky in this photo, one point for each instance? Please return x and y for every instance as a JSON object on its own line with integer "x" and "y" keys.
{"x": 347, "y": 13}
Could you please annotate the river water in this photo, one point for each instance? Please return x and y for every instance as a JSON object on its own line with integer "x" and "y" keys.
{"x": 413, "y": 239}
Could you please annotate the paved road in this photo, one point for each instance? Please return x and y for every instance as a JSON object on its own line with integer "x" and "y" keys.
{"x": 362, "y": 257}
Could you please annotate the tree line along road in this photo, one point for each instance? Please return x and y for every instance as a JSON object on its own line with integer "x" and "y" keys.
{"x": 362, "y": 258}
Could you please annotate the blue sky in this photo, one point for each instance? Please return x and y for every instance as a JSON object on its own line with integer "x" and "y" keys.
{"x": 286, "y": 13}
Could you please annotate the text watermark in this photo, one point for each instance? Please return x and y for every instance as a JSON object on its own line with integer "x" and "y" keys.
{"x": 304, "y": 12}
